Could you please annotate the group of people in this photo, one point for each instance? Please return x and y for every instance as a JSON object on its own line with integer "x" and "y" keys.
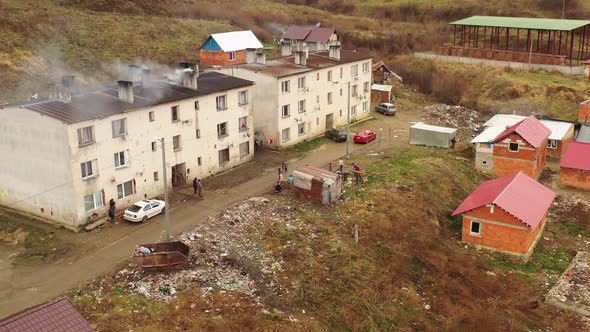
{"x": 282, "y": 170}
{"x": 356, "y": 169}
{"x": 198, "y": 187}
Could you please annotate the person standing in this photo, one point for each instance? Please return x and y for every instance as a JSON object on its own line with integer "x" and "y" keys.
{"x": 330, "y": 166}
{"x": 112, "y": 210}
{"x": 284, "y": 167}
{"x": 357, "y": 173}
{"x": 281, "y": 178}
{"x": 199, "y": 188}
{"x": 291, "y": 179}
{"x": 195, "y": 185}
{"x": 341, "y": 165}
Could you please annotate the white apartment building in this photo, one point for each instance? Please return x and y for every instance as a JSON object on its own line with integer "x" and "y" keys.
{"x": 63, "y": 160}
{"x": 300, "y": 96}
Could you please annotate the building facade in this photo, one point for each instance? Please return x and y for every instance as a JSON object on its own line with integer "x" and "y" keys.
{"x": 575, "y": 166}
{"x": 315, "y": 38}
{"x": 70, "y": 157}
{"x": 301, "y": 96}
{"x": 494, "y": 217}
{"x": 521, "y": 148}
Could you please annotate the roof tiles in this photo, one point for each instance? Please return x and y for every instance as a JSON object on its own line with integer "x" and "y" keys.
{"x": 530, "y": 129}
{"x": 518, "y": 194}
{"x": 577, "y": 156}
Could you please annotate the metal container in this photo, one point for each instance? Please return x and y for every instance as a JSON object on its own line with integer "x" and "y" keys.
{"x": 164, "y": 256}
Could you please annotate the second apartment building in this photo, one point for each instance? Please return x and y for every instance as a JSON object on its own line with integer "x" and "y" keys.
{"x": 300, "y": 96}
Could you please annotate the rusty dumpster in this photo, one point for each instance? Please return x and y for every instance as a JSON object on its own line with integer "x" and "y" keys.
{"x": 164, "y": 256}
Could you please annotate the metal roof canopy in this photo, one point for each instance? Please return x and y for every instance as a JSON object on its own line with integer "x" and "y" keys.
{"x": 522, "y": 23}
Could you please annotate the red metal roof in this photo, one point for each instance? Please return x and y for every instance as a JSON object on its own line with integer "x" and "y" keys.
{"x": 577, "y": 156}
{"x": 310, "y": 34}
{"x": 530, "y": 129}
{"x": 518, "y": 194}
{"x": 319, "y": 35}
{"x": 56, "y": 315}
{"x": 297, "y": 32}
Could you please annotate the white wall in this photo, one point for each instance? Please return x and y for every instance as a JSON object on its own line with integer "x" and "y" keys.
{"x": 35, "y": 173}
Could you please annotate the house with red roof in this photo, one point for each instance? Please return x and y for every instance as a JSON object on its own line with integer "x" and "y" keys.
{"x": 521, "y": 148}
{"x": 575, "y": 166}
{"x": 506, "y": 214}
{"x": 313, "y": 38}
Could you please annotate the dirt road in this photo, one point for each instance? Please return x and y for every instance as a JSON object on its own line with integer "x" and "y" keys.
{"x": 100, "y": 251}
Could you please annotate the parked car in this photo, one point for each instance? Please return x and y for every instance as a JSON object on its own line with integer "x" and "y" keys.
{"x": 364, "y": 136}
{"x": 144, "y": 209}
{"x": 336, "y": 135}
{"x": 386, "y": 108}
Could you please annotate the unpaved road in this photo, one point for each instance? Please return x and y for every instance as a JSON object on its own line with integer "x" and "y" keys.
{"x": 101, "y": 251}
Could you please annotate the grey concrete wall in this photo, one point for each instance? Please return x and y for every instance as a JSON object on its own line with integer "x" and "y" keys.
{"x": 574, "y": 71}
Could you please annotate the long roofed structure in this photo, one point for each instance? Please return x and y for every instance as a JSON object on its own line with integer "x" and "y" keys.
{"x": 521, "y": 39}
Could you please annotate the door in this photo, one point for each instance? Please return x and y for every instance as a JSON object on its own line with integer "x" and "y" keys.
{"x": 179, "y": 175}
{"x": 329, "y": 121}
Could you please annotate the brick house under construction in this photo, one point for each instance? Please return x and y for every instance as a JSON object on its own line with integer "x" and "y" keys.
{"x": 230, "y": 48}
{"x": 584, "y": 113}
{"x": 575, "y": 166}
{"x": 521, "y": 147}
{"x": 506, "y": 214}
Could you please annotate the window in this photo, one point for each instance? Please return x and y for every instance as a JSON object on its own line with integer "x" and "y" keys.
{"x": 119, "y": 127}
{"x": 93, "y": 201}
{"x": 156, "y": 176}
{"x": 243, "y": 123}
{"x": 151, "y": 116}
{"x": 365, "y": 106}
{"x": 222, "y": 130}
{"x": 86, "y": 135}
{"x": 318, "y": 76}
{"x": 355, "y": 91}
{"x": 317, "y": 121}
{"x": 199, "y": 161}
{"x": 232, "y": 55}
{"x": 484, "y": 162}
{"x": 125, "y": 189}
{"x": 301, "y": 83}
{"x": 552, "y": 144}
{"x": 285, "y": 86}
{"x": 220, "y": 102}
{"x": 353, "y": 110}
{"x": 243, "y": 97}
{"x": 301, "y": 106}
{"x": 317, "y": 99}
{"x": 174, "y": 113}
{"x": 366, "y": 87}
{"x": 122, "y": 159}
{"x": 223, "y": 156}
{"x": 154, "y": 146}
{"x": 340, "y": 113}
{"x": 340, "y": 92}
{"x": 341, "y": 72}
{"x": 244, "y": 149}
{"x": 329, "y": 76}
{"x": 354, "y": 70}
{"x": 475, "y": 228}
{"x": 301, "y": 129}
{"x": 365, "y": 67}
{"x": 513, "y": 147}
{"x": 285, "y": 134}
{"x": 176, "y": 144}
{"x": 198, "y": 133}
{"x": 89, "y": 169}
{"x": 196, "y": 105}
{"x": 329, "y": 97}
{"x": 285, "y": 111}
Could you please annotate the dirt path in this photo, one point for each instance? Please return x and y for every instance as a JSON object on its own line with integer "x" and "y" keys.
{"x": 100, "y": 251}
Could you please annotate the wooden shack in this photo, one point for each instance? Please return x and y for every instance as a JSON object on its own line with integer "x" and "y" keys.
{"x": 317, "y": 184}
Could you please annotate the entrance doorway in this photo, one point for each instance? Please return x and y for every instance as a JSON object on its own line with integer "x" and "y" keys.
{"x": 179, "y": 175}
{"x": 329, "y": 121}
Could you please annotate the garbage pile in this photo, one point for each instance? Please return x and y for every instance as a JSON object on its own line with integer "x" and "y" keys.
{"x": 466, "y": 120}
{"x": 223, "y": 257}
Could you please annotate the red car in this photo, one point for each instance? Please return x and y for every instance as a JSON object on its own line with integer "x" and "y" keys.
{"x": 364, "y": 136}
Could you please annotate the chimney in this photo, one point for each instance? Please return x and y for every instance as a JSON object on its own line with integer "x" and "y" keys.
{"x": 145, "y": 76}
{"x": 285, "y": 49}
{"x": 67, "y": 86}
{"x": 334, "y": 52}
{"x": 53, "y": 93}
{"x": 250, "y": 55}
{"x": 134, "y": 73}
{"x": 126, "y": 91}
{"x": 189, "y": 75}
{"x": 261, "y": 58}
{"x": 300, "y": 58}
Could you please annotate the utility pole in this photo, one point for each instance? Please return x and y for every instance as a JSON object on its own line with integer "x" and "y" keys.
{"x": 563, "y": 10}
{"x": 348, "y": 123}
{"x": 166, "y": 204}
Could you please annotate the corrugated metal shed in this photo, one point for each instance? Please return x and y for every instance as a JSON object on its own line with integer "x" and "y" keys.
{"x": 577, "y": 156}
{"x": 236, "y": 40}
{"x": 530, "y": 129}
{"x": 522, "y": 23}
{"x": 517, "y": 194}
{"x": 105, "y": 103}
{"x": 423, "y": 134}
{"x": 57, "y": 315}
{"x": 437, "y": 129}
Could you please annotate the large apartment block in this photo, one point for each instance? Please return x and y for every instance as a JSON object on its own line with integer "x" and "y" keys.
{"x": 300, "y": 96}
{"x": 66, "y": 158}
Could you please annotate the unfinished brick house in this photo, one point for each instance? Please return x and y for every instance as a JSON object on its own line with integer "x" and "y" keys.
{"x": 575, "y": 166}
{"x": 521, "y": 148}
{"x": 230, "y": 48}
{"x": 584, "y": 112}
{"x": 506, "y": 214}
